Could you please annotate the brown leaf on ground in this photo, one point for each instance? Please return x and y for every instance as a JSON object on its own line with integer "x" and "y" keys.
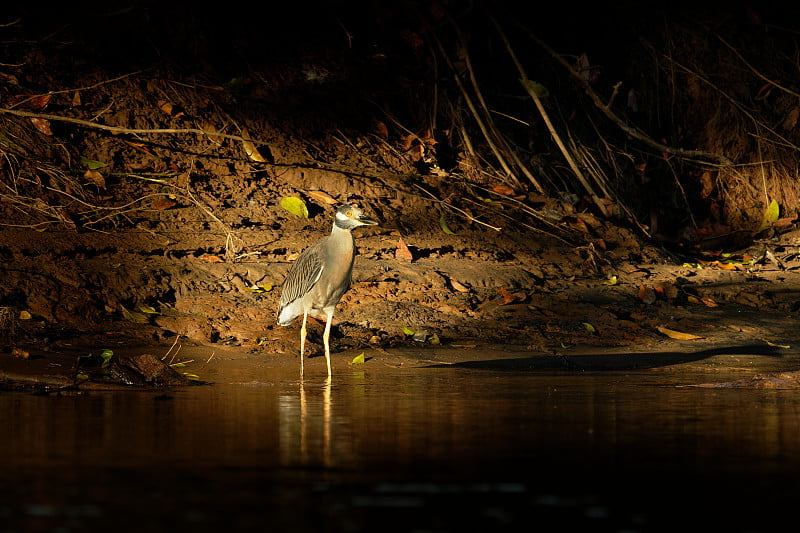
{"x": 33, "y": 102}
{"x": 20, "y": 353}
{"x": 458, "y": 285}
{"x": 95, "y": 178}
{"x": 380, "y": 129}
{"x": 164, "y": 106}
{"x": 678, "y": 335}
{"x": 42, "y": 125}
{"x": 511, "y": 297}
{"x": 406, "y": 144}
{"x": 503, "y": 189}
{"x": 708, "y": 185}
{"x": 139, "y": 146}
{"x": 577, "y": 224}
{"x": 322, "y": 197}
{"x": 725, "y": 266}
{"x": 163, "y": 203}
{"x": 250, "y": 148}
{"x": 211, "y": 258}
{"x": 403, "y": 253}
{"x": 647, "y": 294}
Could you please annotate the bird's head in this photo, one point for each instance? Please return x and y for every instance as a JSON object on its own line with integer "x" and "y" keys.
{"x": 350, "y": 216}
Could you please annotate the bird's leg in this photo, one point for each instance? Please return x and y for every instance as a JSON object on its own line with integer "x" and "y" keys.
{"x": 326, "y": 339}
{"x": 303, "y": 341}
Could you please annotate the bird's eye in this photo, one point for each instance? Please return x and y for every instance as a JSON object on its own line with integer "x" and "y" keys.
{"x": 348, "y": 214}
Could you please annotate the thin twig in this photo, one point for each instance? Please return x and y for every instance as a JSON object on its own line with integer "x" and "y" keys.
{"x": 756, "y": 71}
{"x": 479, "y": 95}
{"x": 128, "y": 131}
{"x": 736, "y": 104}
{"x": 86, "y": 88}
{"x": 475, "y": 114}
{"x": 466, "y": 215}
{"x": 570, "y": 160}
{"x": 624, "y": 126}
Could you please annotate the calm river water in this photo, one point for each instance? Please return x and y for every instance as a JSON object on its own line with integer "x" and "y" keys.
{"x": 417, "y": 449}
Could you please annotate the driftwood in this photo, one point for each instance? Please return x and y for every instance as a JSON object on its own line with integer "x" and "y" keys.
{"x": 145, "y": 369}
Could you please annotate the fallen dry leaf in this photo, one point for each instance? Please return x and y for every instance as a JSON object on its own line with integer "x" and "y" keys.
{"x": 380, "y": 129}
{"x": 163, "y": 203}
{"x": 322, "y": 197}
{"x": 407, "y": 141}
{"x": 211, "y": 258}
{"x": 647, "y": 294}
{"x": 781, "y": 223}
{"x": 724, "y": 266}
{"x": 76, "y": 99}
{"x": 577, "y": 224}
{"x": 458, "y": 286}
{"x": 784, "y": 346}
{"x": 678, "y": 335}
{"x": 34, "y": 102}
{"x": 95, "y": 178}
{"x": 250, "y": 148}
{"x": 709, "y": 302}
{"x": 511, "y": 297}
{"x": 790, "y": 120}
{"x": 403, "y": 253}
{"x": 503, "y": 189}
{"x": 164, "y": 106}
{"x": 139, "y": 146}
{"x": 20, "y": 353}
{"x": 42, "y": 125}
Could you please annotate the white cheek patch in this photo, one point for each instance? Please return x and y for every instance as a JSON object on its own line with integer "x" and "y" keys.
{"x": 341, "y": 216}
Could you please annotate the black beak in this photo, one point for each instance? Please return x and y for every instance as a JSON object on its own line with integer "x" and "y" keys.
{"x": 367, "y": 221}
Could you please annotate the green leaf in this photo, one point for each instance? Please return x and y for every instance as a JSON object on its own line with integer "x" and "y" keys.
{"x": 91, "y": 164}
{"x": 358, "y": 360}
{"x": 434, "y": 339}
{"x": 540, "y": 90}
{"x": 611, "y": 281}
{"x": 106, "y": 356}
{"x": 148, "y": 309}
{"x": 443, "y": 224}
{"x": 590, "y": 328}
{"x": 295, "y": 206}
{"x": 191, "y": 377}
{"x": 82, "y": 376}
{"x": 409, "y": 331}
{"x": 770, "y": 215}
{"x": 133, "y": 316}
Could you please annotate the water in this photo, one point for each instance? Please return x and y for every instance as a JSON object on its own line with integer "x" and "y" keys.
{"x": 403, "y": 449}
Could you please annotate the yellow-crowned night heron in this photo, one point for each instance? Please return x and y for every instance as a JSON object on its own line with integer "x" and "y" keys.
{"x": 321, "y": 275}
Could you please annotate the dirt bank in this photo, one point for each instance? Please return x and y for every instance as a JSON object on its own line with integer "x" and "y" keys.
{"x": 142, "y": 202}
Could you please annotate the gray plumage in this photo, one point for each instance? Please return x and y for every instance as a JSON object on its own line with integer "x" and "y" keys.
{"x": 321, "y": 275}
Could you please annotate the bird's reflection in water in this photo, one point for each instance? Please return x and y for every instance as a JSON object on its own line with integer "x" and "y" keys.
{"x": 315, "y": 431}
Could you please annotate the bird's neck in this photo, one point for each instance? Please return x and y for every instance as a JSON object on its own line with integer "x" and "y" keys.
{"x": 344, "y": 237}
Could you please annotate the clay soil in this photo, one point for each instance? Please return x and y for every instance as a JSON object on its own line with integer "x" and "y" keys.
{"x": 180, "y": 237}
